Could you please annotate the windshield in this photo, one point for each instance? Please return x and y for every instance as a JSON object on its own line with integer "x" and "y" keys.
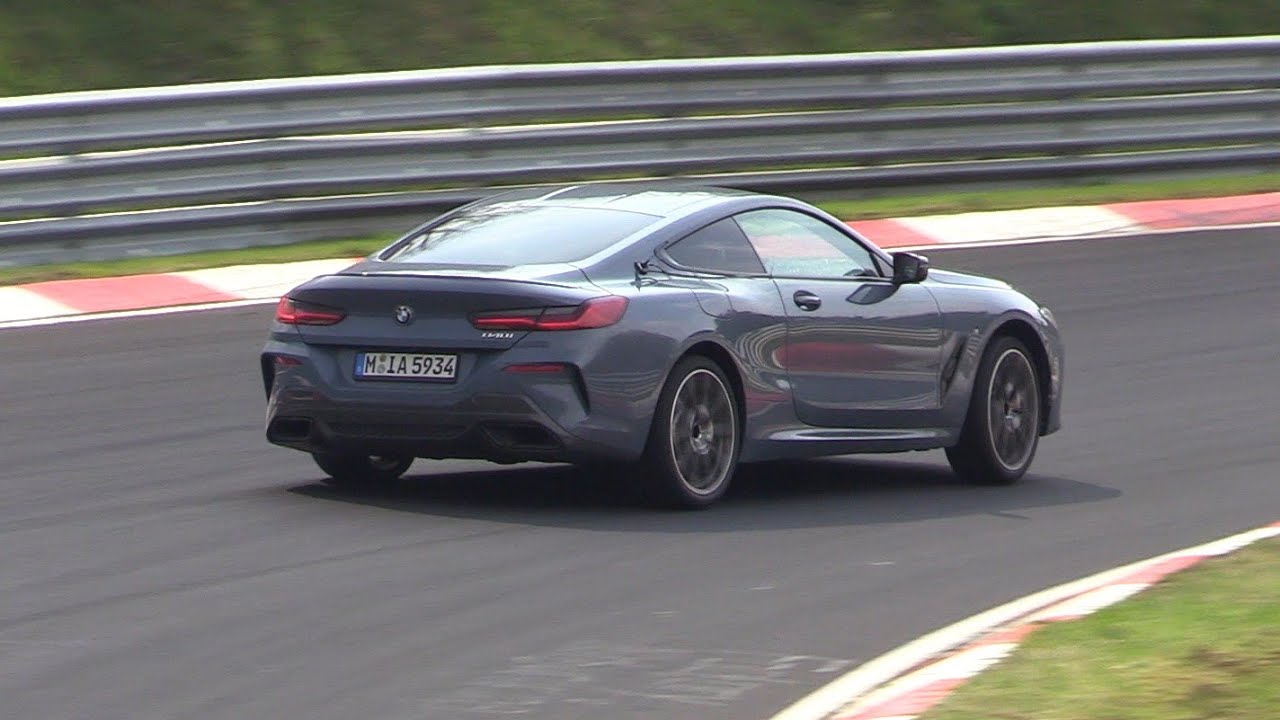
{"x": 509, "y": 234}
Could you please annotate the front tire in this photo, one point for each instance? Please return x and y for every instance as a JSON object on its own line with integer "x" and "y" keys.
{"x": 695, "y": 438}
{"x": 354, "y": 471}
{"x": 1002, "y": 428}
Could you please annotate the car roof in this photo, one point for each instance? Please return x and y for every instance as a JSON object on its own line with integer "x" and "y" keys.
{"x": 664, "y": 199}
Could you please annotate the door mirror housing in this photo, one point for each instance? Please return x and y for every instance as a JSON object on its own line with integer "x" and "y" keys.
{"x": 909, "y": 268}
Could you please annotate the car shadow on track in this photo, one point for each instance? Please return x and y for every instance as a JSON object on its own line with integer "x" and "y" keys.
{"x": 815, "y": 493}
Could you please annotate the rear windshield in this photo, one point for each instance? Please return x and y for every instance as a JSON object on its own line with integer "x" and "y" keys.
{"x": 510, "y": 234}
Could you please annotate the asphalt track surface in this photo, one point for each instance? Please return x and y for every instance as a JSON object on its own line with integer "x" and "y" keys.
{"x": 159, "y": 560}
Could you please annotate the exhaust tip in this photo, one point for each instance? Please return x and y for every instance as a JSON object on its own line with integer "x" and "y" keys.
{"x": 289, "y": 430}
{"x": 520, "y": 436}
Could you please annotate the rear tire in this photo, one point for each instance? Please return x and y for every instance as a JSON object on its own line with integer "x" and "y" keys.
{"x": 353, "y": 471}
{"x": 694, "y": 440}
{"x": 1002, "y": 428}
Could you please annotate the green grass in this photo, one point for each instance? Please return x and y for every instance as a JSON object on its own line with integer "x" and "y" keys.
{"x": 58, "y": 45}
{"x": 865, "y": 209}
{"x": 1203, "y": 645}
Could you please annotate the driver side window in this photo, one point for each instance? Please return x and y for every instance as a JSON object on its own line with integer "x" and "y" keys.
{"x": 793, "y": 244}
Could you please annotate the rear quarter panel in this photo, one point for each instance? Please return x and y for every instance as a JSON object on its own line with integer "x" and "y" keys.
{"x": 624, "y": 366}
{"x": 669, "y": 317}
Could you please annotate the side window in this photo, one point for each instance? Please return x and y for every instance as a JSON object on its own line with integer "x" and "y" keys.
{"x": 719, "y": 247}
{"x": 793, "y": 244}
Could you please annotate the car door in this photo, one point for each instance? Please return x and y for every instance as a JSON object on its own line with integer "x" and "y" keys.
{"x": 860, "y": 351}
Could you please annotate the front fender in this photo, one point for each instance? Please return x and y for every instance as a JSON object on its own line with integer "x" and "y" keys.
{"x": 972, "y": 318}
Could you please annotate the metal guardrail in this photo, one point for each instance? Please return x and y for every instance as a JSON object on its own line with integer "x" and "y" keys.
{"x": 316, "y": 157}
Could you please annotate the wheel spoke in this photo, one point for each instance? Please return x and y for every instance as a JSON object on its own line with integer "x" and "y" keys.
{"x": 996, "y": 416}
{"x": 706, "y": 469}
{"x": 701, "y": 392}
{"x": 684, "y": 421}
{"x": 686, "y": 459}
{"x": 1008, "y": 444}
{"x": 706, "y": 463}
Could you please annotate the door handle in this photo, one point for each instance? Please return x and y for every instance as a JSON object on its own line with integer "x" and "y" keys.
{"x": 806, "y": 300}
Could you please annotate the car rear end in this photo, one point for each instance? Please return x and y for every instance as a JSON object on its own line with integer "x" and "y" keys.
{"x": 438, "y": 365}
{"x": 468, "y": 338}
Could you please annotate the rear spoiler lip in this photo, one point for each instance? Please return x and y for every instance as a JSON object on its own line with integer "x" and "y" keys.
{"x": 569, "y": 277}
{"x": 520, "y": 273}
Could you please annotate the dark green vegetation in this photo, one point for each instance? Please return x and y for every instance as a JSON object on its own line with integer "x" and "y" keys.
{"x": 59, "y": 45}
{"x": 1204, "y": 644}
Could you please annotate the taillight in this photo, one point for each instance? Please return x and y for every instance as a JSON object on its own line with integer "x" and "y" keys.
{"x": 537, "y": 368}
{"x": 594, "y": 313}
{"x": 292, "y": 312}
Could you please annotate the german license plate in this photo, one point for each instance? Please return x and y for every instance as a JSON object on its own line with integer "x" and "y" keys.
{"x": 410, "y": 366}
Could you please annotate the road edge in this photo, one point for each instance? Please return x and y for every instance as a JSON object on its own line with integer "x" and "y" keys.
{"x": 913, "y": 677}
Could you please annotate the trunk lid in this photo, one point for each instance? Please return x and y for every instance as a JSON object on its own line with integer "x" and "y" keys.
{"x": 429, "y": 308}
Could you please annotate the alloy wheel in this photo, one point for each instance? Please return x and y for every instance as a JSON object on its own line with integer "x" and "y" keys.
{"x": 1013, "y": 409}
{"x": 703, "y": 432}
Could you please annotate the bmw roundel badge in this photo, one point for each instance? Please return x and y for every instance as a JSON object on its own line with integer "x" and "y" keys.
{"x": 404, "y": 314}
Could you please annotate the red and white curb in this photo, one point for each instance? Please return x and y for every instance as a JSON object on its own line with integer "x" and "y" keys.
{"x": 1065, "y": 223}
{"x": 908, "y": 681}
{"x": 61, "y": 301}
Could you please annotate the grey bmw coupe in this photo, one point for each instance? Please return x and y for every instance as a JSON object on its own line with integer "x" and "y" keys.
{"x": 675, "y": 331}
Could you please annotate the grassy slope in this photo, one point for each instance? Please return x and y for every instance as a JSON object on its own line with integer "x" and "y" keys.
{"x": 1205, "y": 644}
{"x": 55, "y": 45}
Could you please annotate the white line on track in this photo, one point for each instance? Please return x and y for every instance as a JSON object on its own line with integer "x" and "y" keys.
{"x": 1140, "y": 232}
{"x": 144, "y": 312}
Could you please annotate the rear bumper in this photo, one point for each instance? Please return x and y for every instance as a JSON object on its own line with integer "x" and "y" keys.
{"x": 492, "y": 415}
{"x": 512, "y": 435}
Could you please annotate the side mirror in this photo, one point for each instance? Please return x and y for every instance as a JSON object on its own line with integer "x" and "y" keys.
{"x": 909, "y": 268}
